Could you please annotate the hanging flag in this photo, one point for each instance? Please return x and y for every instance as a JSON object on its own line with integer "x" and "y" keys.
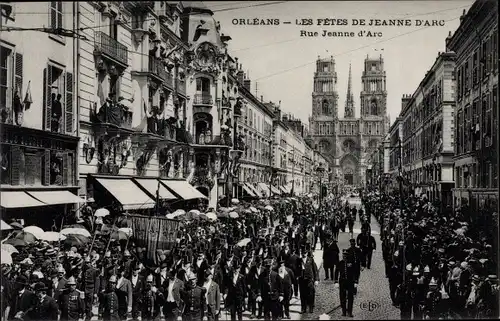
{"x": 100, "y": 94}
{"x": 28, "y": 100}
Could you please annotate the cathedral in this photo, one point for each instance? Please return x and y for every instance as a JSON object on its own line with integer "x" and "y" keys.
{"x": 349, "y": 141}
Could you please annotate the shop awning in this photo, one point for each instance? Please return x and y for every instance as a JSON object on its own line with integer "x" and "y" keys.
{"x": 248, "y": 190}
{"x": 151, "y": 185}
{"x": 264, "y": 189}
{"x": 184, "y": 189}
{"x": 18, "y": 199}
{"x": 283, "y": 188}
{"x": 275, "y": 190}
{"x": 127, "y": 193}
{"x": 254, "y": 190}
{"x": 56, "y": 197}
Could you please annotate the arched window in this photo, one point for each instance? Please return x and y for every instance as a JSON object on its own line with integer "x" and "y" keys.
{"x": 325, "y": 107}
{"x": 203, "y": 85}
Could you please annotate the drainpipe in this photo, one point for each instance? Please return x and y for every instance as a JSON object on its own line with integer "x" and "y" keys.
{"x": 76, "y": 77}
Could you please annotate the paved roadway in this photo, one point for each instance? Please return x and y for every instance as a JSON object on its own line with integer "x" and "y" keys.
{"x": 373, "y": 299}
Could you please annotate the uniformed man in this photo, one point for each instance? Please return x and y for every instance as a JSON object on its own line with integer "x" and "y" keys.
{"x": 354, "y": 253}
{"x": 367, "y": 245}
{"x": 148, "y": 299}
{"x": 271, "y": 291}
{"x": 433, "y": 301}
{"x": 346, "y": 278}
{"x": 194, "y": 299}
{"x": 72, "y": 302}
{"x": 110, "y": 301}
{"x": 90, "y": 286}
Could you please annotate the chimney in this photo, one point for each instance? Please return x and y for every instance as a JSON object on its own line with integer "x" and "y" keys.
{"x": 261, "y": 98}
{"x": 246, "y": 84}
{"x": 240, "y": 76}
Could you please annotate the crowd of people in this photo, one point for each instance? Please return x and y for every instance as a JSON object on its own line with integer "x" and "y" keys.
{"x": 440, "y": 264}
{"x": 256, "y": 260}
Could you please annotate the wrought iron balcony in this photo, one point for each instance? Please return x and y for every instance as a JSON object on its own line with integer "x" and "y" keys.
{"x": 110, "y": 47}
{"x": 203, "y": 99}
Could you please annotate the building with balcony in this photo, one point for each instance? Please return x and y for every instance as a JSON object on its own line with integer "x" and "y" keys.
{"x": 132, "y": 104}
{"x": 475, "y": 44}
{"x": 39, "y": 117}
{"x": 428, "y": 131}
{"x": 256, "y": 126}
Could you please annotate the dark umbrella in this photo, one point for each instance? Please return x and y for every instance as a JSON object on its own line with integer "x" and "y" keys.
{"x": 26, "y": 236}
{"x": 16, "y": 242}
{"x": 16, "y": 225}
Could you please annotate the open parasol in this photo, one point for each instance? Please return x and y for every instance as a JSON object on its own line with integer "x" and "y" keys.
{"x": 52, "y": 237}
{"x": 211, "y": 216}
{"x": 16, "y": 242}
{"x": 222, "y": 214}
{"x": 4, "y": 226}
{"x": 269, "y": 208}
{"x": 123, "y": 233}
{"x": 197, "y": 212}
{"x": 76, "y": 240}
{"x": 170, "y": 216}
{"x": 243, "y": 242}
{"x": 235, "y": 201}
{"x": 34, "y": 230}
{"x": 9, "y": 248}
{"x": 26, "y": 237}
{"x": 233, "y": 215}
{"x": 76, "y": 231}
{"x": 101, "y": 212}
{"x": 253, "y": 209}
{"x": 5, "y": 257}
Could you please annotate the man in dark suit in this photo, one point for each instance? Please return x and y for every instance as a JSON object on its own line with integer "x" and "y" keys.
{"x": 22, "y": 302}
{"x": 287, "y": 280}
{"x": 138, "y": 284}
{"x": 90, "y": 286}
{"x": 367, "y": 245}
{"x": 295, "y": 267}
{"x": 200, "y": 265}
{"x": 170, "y": 297}
{"x": 347, "y": 276}
{"x": 46, "y": 307}
{"x": 271, "y": 291}
{"x": 308, "y": 279}
{"x": 355, "y": 253}
{"x": 213, "y": 297}
{"x": 124, "y": 293}
{"x": 234, "y": 298}
{"x": 330, "y": 257}
{"x": 252, "y": 283}
{"x": 72, "y": 304}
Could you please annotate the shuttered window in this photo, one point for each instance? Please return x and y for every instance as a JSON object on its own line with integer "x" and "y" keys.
{"x": 47, "y": 97}
{"x": 46, "y": 168}
{"x": 56, "y": 15}
{"x": 5, "y": 164}
{"x": 18, "y": 168}
{"x": 6, "y": 83}
{"x": 69, "y": 104}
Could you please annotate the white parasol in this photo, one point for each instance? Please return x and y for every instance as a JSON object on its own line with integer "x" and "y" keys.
{"x": 9, "y": 248}
{"x": 179, "y": 212}
{"x": 253, "y": 209}
{"x": 34, "y": 230}
{"x": 197, "y": 212}
{"x": 235, "y": 201}
{"x": 269, "y": 208}
{"x": 4, "y": 226}
{"x": 243, "y": 242}
{"x": 5, "y": 257}
{"x": 212, "y": 216}
{"x": 126, "y": 230}
{"x": 170, "y": 216}
{"x": 76, "y": 231}
{"x": 233, "y": 215}
{"x": 101, "y": 212}
{"x": 52, "y": 237}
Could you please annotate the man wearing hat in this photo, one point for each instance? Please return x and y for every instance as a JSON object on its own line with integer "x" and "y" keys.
{"x": 354, "y": 253}
{"x": 22, "y": 300}
{"x": 72, "y": 304}
{"x": 60, "y": 284}
{"x": 270, "y": 291}
{"x": 433, "y": 302}
{"x": 124, "y": 293}
{"x": 252, "y": 282}
{"x": 138, "y": 285}
{"x": 234, "y": 297}
{"x": 194, "y": 300}
{"x": 46, "y": 308}
{"x": 308, "y": 278}
{"x": 169, "y": 296}
{"x": 330, "y": 256}
{"x": 109, "y": 301}
{"x": 287, "y": 280}
{"x": 213, "y": 297}
{"x": 90, "y": 285}
{"x": 346, "y": 278}
{"x": 148, "y": 301}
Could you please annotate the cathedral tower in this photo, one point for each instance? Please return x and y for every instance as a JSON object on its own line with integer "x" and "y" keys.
{"x": 349, "y": 101}
{"x": 373, "y": 95}
{"x": 324, "y": 106}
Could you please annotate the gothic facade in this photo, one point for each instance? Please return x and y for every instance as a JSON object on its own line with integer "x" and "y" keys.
{"x": 347, "y": 142}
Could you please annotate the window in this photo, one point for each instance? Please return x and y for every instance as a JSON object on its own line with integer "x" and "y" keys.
{"x": 475, "y": 62}
{"x": 56, "y": 14}
{"x": 54, "y": 94}
{"x": 466, "y": 77}
{"x": 6, "y": 83}
{"x": 202, "y": 85}
{"x": 113, "y": 28}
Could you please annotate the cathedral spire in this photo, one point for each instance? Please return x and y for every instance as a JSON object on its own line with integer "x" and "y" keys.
{"x": 349, "y": 102}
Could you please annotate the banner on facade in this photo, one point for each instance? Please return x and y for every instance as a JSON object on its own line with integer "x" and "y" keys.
{"x": 154, "y": 233}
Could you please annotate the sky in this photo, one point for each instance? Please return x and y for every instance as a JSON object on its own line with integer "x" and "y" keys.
{"x": 283, "y": 63}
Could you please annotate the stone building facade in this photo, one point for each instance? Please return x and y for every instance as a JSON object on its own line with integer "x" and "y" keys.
{"x": 349, "y": 141}
{"x": 475, "y": 43}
